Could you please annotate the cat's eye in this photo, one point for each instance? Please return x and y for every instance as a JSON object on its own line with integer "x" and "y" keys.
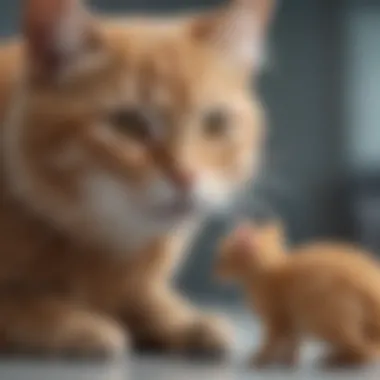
{"x": 131, "y": 122}
{"x": 215, "y": 124}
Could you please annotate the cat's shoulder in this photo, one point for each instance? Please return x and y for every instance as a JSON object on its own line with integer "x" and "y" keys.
{"x": 328, "y": 247}
{"x": 333, "y": 253}
{"x": 11, "y": 58}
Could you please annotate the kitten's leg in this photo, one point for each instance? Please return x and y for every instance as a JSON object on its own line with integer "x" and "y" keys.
{"x": 290, "y": 350}
{"x": 51, "y": 327}
{"x": 270, "y": 348}
{"x": 162, "y": 320}
{"x": 350, "y": 346}
{"x": 351, "y": 356}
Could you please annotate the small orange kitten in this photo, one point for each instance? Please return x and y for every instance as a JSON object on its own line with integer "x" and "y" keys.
{"x": 327, "y": 291}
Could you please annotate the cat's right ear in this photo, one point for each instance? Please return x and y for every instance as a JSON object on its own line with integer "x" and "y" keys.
{"x": 243, "y": 238}
{"x": 237, "y": 30}
{"x": 57, "y": 33}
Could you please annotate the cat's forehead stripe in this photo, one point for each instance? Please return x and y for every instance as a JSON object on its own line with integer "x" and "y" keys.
{"x": 161, "y": 79}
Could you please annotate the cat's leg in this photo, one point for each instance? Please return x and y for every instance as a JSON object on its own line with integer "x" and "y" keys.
{"x": 290, "y": 350}
{"x": 271, "y": 345}
{"x": 51, "y": 327}
{"x": 162, "y": 320}
{"x": 351, "y": 356}
{"x": 281, "y": 345}
{"x": 350, "y": 346}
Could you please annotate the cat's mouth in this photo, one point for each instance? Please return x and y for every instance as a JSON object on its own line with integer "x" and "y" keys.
{"x": 175, "y": 208}
{"x": 201, "y": 201}
{"x": 189, "y": 206}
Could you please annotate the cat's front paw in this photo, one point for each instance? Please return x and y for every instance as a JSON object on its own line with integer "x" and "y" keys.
{"x": 264, "y": 359}
{"x": 90, "y": 336}
{"x": 210, "y": 336}
{"x": 349, "y": 359}
{"x": 259, "y": 360}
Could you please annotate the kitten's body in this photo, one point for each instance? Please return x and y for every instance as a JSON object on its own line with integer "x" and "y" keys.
{"x": 98, "y": 201}
{"x": 324, "y": 291}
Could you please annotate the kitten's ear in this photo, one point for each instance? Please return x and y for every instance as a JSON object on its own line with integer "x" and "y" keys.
{"x": 238, "y": 30}
{"x": 56, "y": 32}
{"x": 243, "y": 238}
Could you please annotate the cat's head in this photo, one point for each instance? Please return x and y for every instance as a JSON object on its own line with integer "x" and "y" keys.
{"x": 249, "y": 249}
{"x": 139, "y": 122}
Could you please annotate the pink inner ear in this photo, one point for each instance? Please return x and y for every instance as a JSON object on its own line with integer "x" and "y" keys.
{"x": 42, "y": 19}
{"x": 243, "y": 238}
{"x": 52, "y": 29}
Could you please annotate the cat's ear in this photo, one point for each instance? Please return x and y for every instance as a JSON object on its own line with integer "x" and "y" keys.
{"x": 238, "y": 30}
{"x": 243, "y": 239}
{"x": 56, "y": 32}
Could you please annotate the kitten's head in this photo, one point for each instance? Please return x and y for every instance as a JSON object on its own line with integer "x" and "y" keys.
{"x": 250, "y": 249}
{"x": 137, "y": 122}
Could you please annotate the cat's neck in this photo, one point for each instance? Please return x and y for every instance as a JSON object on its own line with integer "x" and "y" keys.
{"x": 258, "y": 274}
{"x": 11, "y": 59}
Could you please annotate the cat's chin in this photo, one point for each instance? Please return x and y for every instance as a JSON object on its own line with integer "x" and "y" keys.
{"x": 129, "y": 221}
{"x": 178, "y": 210}
{"x": 188, "y": 209}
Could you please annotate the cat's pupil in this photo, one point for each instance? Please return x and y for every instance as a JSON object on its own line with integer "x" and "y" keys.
{"x": 215, "y": 123}
{"x": 131, "y": 123}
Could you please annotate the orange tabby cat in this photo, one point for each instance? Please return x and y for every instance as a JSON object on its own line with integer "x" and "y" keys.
{"x": 117, "y": 137}
{"x": 328, "y": 291}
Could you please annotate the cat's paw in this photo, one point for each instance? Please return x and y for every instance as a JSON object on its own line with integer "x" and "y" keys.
{"x": 262, "y": 360}
{"x": 258, "y": 360}
{"x": 90, "y": 336}
{"x": 349, "y": 359}
{"x": 210, "y": 336}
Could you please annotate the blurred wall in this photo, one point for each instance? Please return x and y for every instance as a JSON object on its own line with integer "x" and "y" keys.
{"x": 301, "y": 95}
{"x": 362, "y": 85}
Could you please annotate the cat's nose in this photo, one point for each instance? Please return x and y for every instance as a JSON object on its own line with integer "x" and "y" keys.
{"x": 184, "y": 179}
